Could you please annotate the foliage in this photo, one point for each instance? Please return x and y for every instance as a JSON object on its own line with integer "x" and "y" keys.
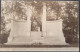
{"x": 71, "y": 21}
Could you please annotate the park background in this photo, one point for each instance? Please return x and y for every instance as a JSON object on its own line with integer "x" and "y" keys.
{"x": 68, "y": 11}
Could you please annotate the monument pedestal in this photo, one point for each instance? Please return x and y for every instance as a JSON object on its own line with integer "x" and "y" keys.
{"x": 20, "y": 33}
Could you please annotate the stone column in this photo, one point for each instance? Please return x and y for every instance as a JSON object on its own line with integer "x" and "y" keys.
{"x": 44, "y": 20}
{"x": 29, "y": 13}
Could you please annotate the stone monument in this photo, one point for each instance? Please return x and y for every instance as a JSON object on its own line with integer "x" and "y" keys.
{"x": 51, "y": 33}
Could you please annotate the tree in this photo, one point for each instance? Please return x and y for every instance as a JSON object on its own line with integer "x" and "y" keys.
{"x": 71, "y": 21}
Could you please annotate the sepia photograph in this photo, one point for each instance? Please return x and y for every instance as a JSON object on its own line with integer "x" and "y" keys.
{"x": 39, "y": 25}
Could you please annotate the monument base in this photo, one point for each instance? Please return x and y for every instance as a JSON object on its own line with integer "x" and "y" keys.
{"x": 36, "y": 38}
{"x": 52, "y": 36}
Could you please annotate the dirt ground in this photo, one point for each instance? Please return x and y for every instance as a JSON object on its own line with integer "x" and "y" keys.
{"x": 41, "y": 49}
